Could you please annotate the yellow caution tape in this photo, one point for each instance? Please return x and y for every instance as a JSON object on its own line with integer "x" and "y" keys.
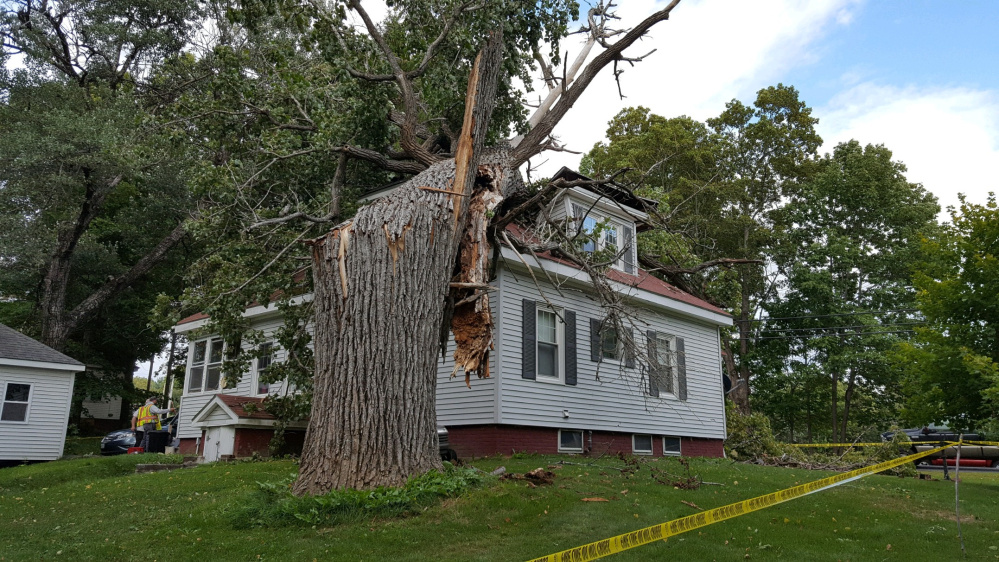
{"x": 620, "y": 543}
{"x": 841, "y": 444}
{"x": 988, "y": 443}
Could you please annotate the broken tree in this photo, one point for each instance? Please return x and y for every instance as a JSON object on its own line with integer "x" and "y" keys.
{"x": 385, "y": 280}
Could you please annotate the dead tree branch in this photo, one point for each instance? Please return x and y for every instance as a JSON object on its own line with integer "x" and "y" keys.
{"x": 534, "y": 140}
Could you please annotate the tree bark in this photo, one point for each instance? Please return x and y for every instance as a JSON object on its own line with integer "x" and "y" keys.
{"x": 740, "y": 395}
{"x": 380, "y": 287}
{"x": 835, "y": 391}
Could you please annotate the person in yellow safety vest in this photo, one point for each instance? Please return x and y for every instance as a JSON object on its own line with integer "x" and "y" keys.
{"x": 147, "y": 419}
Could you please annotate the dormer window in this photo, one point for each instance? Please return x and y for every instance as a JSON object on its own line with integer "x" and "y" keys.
{"x": 614, "y": 235}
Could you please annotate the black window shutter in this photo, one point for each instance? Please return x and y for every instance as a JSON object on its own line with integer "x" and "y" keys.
{"x": 629, "y": 349}
{"x": 570, "y": 347}
{"x": 650, "y": 348}
{"x": 595, "y": 340}
{"x": 530, "y": 346}
{"x": 681, "y": 369}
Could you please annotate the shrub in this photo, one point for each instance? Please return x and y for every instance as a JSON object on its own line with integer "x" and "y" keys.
{"x": 274, "y": 504}
{"x": 751, "y": 437}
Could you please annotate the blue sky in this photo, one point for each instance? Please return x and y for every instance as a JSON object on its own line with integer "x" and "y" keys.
{"x": 920, "y": 77}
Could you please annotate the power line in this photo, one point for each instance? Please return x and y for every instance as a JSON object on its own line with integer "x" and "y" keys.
{"x": 825, "y": 335}
{"x": 888, "y": 325}
{"x": 874, "y": 312}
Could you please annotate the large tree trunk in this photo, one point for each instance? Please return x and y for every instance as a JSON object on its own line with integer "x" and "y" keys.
{"x": 381, "y": 281}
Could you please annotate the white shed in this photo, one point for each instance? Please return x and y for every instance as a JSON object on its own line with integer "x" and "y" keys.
{"x": 36, "y": 389}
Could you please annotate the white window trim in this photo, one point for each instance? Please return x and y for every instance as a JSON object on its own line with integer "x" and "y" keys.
{"x": 619, "y": 225}
{"x": 582, "y": 437}
{"x": 256, "y": 371}
{"x": 674, "y": 372}
{"x": 619, "y": 360}
{"x": 559, "y": 339}
{"x": 204, "y": 367}
{"x": 634, "y": 446}
{"x": 27, "y": 409}
{"x": 672, "y": 453}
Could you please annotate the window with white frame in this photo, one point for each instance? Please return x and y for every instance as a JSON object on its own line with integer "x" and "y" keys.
{"x": 570, "y": 441}
{"x": 263, "y": 363}
{"x": 550, "y": 338}
{"x": 664, "y": 364}
{"x": 671, "y": 446}
{"x": 610, "y": 344}
{"x": 206, "y": 366}
{"x": 16, "y": 398}
{"x": 606, "y": 234}
{"x": 641, "y": 444}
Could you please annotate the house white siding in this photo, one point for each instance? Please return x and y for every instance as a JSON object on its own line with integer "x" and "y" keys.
{"x": 608, "y": 396}
{"x": 43, "y": 435}
{"x": 458, "y": 404}
{"x": 192, "y": 402}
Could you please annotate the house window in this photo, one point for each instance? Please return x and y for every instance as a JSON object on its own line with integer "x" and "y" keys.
{"x": 550, "y": 334}
{"x": 614, "y": 237}
{"x": 610, "y": 344}
{"x": 206, "y": 366}
{"x": 263, "y": 362}
{"x": 664, "y": 365}
{"x": 671, "y": 446}
{"x": 570, "y": 441}
{"x": 15, "y": 402}
{"x": 641, "y": 444}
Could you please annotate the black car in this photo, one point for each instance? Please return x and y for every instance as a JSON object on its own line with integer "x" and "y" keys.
{"x": 118, "y": 442}
{"x": 932, "y": 434}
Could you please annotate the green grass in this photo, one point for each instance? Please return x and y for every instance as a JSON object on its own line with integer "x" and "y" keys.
{"x": 97, "y": 508}
{"x": 78, "y": 446}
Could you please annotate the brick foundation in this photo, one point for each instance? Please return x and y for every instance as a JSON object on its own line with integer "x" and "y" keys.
{"x": 249, "y": 441}
{"x": 485, "y": 440}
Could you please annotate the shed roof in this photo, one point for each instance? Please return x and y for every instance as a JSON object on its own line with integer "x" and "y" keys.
{"x": 15, "y": 345}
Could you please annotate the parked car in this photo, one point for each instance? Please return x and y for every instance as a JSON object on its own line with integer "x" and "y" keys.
{"x": 118, "y": 442}
{"x": 932, "y": 434}
{"x": 447, "y": 453}
{"x": 926, "y": 438}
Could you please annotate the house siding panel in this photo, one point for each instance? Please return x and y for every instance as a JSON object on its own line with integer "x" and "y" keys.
{"x": 458, "y": 404}
{"x": 608, "y": 396}
{"x": 44, "y": 434}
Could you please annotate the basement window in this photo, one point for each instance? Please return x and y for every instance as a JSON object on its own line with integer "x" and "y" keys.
{"x": 570, "y": 441}
{"x": 671, "y": 446}
{"x": 641, "y": 444}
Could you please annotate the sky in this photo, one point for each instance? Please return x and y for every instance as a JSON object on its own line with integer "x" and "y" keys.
{"x": 920, "y": 77}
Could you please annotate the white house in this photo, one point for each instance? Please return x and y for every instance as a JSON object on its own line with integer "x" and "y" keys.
{"x": 36, "y": 383}
{"x": 559, "y": 382}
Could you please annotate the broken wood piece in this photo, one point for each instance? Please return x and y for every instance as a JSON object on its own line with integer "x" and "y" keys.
{"x": 691, "y": 504}
{"x": 596, "y": 500}
{"x": 483, "y": 286}
{"x": 428, "y": 188}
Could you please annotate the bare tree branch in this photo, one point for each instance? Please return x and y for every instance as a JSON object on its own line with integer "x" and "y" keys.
{"x": 532, "y": 142}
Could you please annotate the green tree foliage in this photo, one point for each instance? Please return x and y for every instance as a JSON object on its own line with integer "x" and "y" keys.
{"x": 92, "y": 194}
{"x": 720, "y": 186}
{"x": 851, "y": 235}
{"x": 293, "y": 114}
{"x": 951, "y": 369}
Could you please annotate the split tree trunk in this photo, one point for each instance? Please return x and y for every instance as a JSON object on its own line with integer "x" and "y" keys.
{"x": 381, "y": 281}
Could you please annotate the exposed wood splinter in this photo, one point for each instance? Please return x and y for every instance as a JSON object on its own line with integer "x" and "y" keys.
{"x": 427, "y": 188}
{"x": 342, "y": 257}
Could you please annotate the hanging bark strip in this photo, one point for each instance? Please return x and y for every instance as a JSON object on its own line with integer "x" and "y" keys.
{"x": 380, "y": 298}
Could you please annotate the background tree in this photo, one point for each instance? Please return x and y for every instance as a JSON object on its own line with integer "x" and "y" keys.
{"x": 846, "y": 297}
{"x": 93, "y": 197}
{"x": 951, "y": 369}
{"x": 719, "y": 185}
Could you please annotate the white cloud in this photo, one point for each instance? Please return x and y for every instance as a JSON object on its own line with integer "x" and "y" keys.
{"x": 707, "y": 53}
{"x": 947, "y": 137}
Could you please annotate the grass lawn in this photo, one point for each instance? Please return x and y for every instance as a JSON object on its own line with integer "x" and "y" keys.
{"x": 98, "y": 508}
{"x": 82, "y": 446}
